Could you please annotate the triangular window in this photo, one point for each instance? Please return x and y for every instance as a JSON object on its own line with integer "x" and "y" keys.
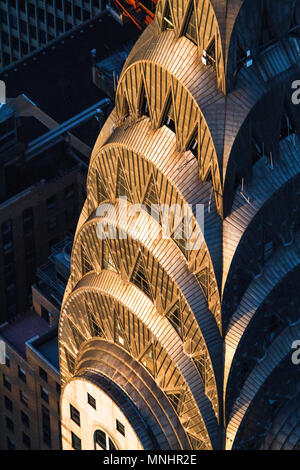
{"x": 139, "y": 277}
{"x": 102, "y": 194}
{"x": 119, "y": 333}
{"x": 167, "y": 19}
{"x": 144, "y": 108}
{"x": 151, "y": 200}
{"x": 169, "y": 115}
{"x": 86, "y": 265}
{"x": 193, "y": 145}
{"x": 190, "y": 29}
{"x": 70, "y": 361}
{"x": 174, "y": 317}
{"x": 179, "y": 236}
{"x": 125, "y": 107}
{"x": 78, "y": 337}
{"x": 148, "y": 360}
{"x": 107, "y": 259}
{"x": 209, "y": 54}
{"x": 122, "y": 184}
{"x": 203, "y": 278}
{"x": 174, "y": 399}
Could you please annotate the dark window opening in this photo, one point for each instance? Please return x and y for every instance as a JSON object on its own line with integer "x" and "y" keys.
{"x": 209, "y": 54}
{"x": 169, "y": 119}
{"x": 91, "y": 401}
{"x": 100, "y": 439}
{"x": 139, "y": 278}
{"x": 120, "y": 427}
{"x": 144, "y": 108}
{"x": 168, "y": 20}
{"x": 190, "y": 31}
{"x": 76, "y": 442}
{"x": 43, "y": 374}
{"x": 75, "y": 415}
{"x": 193, "y": 145}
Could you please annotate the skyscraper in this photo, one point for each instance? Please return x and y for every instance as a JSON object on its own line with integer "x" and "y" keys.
{"x": 187, "y": 341}
{"x": 29, "y": 25}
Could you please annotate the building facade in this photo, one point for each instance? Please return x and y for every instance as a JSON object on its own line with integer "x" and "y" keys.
{"x": 41, "y": 194}
{"x": 31, "y": 223}
{"x": 30, "y": 386}
{"x": 30, "y": 379}
{"x": 29, "y": 25}
{"x": 190, "y": 335}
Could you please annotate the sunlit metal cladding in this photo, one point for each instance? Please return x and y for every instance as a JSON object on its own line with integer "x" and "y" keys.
{"x": 203, "y": 116}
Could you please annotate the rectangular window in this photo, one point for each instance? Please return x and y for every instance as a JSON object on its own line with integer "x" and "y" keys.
{"x": 120, "y": 427}
{"x": 45, "y": 314}
{"x": 22, "y": 374}
{"x": 44, "y": 394}
{"x": 7, "y": 360}
{"x": 58, "y": 388}
{"x": 23, "y": 398}
{"x": 75, "y": 415}
{"x": 10, "y": 444}
{"x": 76, "y": 442}
{"x": 26, "y": 440}
{"x": 46, "y": 426}
{"x": 43, "y": 374}
{"x": 6, "y": 382}
{"x": 9, "y": 424}
{"x": 91, "y": 401}
{"x": 25, "y": 419}
{"x": 8, "y": 404}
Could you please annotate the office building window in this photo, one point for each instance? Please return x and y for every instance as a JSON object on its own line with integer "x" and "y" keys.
{"x": 45, "y": 314}
{"x": 46, "y": 426}
{"x": 10, "y": 444}
{"x": 8, "y": 404}
{"x": 23, "y": 398}
{"x": 6, "y": 382}
{"x": 91, "y": 401}
{"x": 22, "y": 374}
{"x": 25, "y": 419}
{"x": 26, "y": 440}
{"x": 7, "y": 360}
{"x": 43, "y": 374}
{"x": 102, "y": 441}
{"x": 76, "y": 442}
{"x": 44, "y": 394}
{"x": 9, "y": 424}
{"x": 75, "y": 415}
{"x": 120, "y": 427}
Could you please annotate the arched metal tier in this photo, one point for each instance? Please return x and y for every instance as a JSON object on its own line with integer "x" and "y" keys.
{"x": 190, "y": 340}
